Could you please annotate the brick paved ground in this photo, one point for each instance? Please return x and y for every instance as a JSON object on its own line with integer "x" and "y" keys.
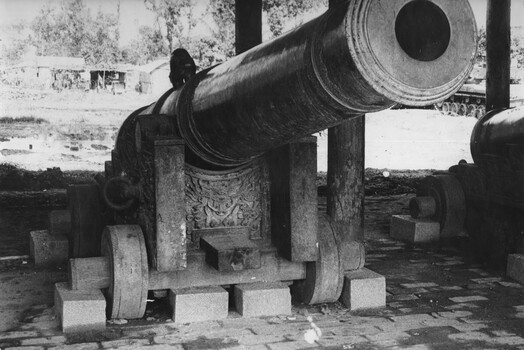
{"x": 438, "y": 298}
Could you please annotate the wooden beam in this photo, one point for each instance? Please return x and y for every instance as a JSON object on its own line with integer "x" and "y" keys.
{"x": 95, "y": 272}
{"x": 248, "y": 24}
{"x": 170, "y": 217}
{"x": 89, "y": 273}
{"x": 498, "y": 49}
{"x": 345, "y": 185}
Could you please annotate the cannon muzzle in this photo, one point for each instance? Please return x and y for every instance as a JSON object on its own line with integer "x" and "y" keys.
{"x": 361, "y": 56}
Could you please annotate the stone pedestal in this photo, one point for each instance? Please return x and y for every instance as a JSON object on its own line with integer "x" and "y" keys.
{"x": 47, "y": 250}
{"x": 408, "y": 229}
{"x": 199, "y": 304}
{"x": 79, "y": 310}
{"x": 363, "y": 289}
{"x": 262, "y": 299}
{"x": 515, "y": 268}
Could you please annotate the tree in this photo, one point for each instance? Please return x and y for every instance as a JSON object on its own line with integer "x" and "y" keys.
{"x": 101, "y": 45}
{"x": 279, "y": 13}
{"x": 481, "y": 44}
{"x": 47, "y": 38}
{"x": 70, "y": 30}
{"x": 14, "y": 43}
{"x": 223, "y": 14}
{"x": 149, "y": 46}
{"x": 174, "y": 20}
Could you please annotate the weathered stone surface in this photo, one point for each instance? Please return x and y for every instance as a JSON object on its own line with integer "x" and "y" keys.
{"x": 406, "y": 228}
{"x": 199, "y": 304}
{"x": 515, "y": 268}
{"x": 53, "y": 340}
{"x": 79, "y": 310}
{"x": 17, "y": 334}
{"x": 262, "y": 299}
{"x": 468, "y": 298}
{"x": 231, "y": 253}
{"x": 81, "y": 346}
{"x": 125, "y": 343}
{"x": 46, "y": 249}
{"x": 364, "y": 289}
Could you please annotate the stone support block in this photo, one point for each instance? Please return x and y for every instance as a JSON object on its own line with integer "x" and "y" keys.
{"x": 408, "y": 229}
{"x": 363, "y": 289}
{"x": 79, "y": 310}
{"x": 46, "y": 249}
{"x": 262, "y": 299}
{"x": 60, "y": 222}
{"x": 199, "y": 304}
{"x": 515, "y": 268}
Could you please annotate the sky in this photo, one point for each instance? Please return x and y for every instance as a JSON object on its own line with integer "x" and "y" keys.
{"x": 134, "y": 14}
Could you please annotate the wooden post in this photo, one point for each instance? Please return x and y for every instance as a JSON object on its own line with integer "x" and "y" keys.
{"x": 248, "y": 24}
{"x": 498, "y": 49}
{"x": 294, "y": 200}
{"x": 345, "y": 189}
{"x": 170, "y": 205}
{"x": 345, "y": 182}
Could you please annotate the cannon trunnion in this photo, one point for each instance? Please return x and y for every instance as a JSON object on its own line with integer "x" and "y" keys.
{"x": 215, "y": 183}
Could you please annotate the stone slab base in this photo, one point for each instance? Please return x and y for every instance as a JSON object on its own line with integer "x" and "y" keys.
{"x": 515, "y": 268}
{"x": 199, "y": 304}
{"x": 262, "y": 299}
{"x": 79, "y": 310}
{"x": 60, "y": 222}
{"x": 46, "y": 249}
{"x": 363, "y": 289}
{"x": 408, "y": 229}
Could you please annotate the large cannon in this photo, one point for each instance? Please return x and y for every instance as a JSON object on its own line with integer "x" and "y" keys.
{"x": 214, "y": 184}
{"x": 484, "y": 198}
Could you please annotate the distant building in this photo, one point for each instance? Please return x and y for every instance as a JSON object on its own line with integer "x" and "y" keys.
{"x": 154, "y": 77}
{"x": 47, "y": 71}
{"x": 118, "y": 78}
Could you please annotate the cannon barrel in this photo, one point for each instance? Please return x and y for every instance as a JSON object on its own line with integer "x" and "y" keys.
{"x": 500, "y": 135}
{"x": 361, "y": 56}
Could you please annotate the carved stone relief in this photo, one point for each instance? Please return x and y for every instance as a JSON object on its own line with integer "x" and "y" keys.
{"x": 233, "y": 198}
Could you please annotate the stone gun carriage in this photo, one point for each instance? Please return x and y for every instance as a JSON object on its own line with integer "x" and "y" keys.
{"x": 215, "y": 183}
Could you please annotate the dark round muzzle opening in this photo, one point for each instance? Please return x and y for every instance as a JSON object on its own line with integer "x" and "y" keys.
{"x": 422, "y": 30}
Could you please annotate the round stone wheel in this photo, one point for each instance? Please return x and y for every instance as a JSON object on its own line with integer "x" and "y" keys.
{"x": 450, "y": 202}
{"x": 324, "y": 277}
{"x": 125, "y": 247}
